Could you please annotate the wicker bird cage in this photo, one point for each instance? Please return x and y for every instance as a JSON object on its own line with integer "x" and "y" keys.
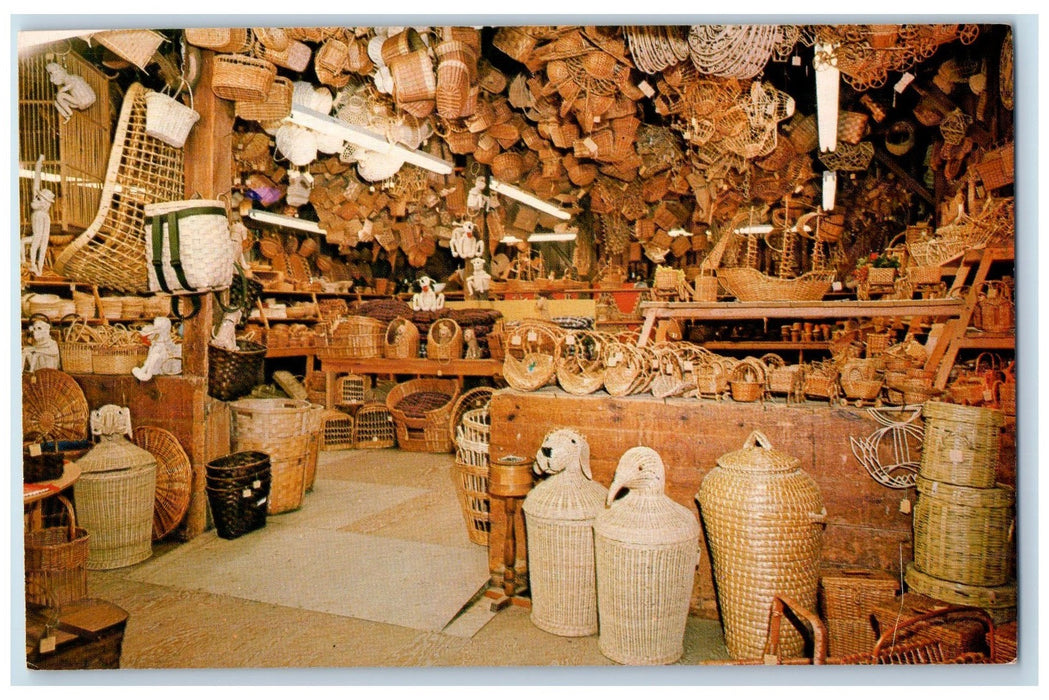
{"x": 420, "y": 410}
{"x": 338, "y": 430}
{"x": 75, "y": 152}
{"x": 373, "y": 427}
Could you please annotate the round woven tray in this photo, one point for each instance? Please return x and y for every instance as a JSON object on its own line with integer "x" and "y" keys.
{"x": 174, "y": 477}
{"x": 53, "y": 407}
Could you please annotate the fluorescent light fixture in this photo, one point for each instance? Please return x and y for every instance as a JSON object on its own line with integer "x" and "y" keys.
{"x": 551, "y": 236}
{"x": 527, "y": 199}
{"x": 755, "y": 229}
{"x": 366, "y": 139}
{"x": 827, "y": 81}
{"x": 266, "y": 217}
{"x": 510, "y": 239}
{"x": 830, "y": 186}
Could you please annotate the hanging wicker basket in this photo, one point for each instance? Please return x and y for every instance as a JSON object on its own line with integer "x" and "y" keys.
{"x": 246, "y": 78}
{"x": 168, "y": 119}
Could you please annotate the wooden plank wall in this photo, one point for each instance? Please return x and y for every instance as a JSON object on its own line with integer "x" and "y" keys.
{"x": 865, "y": 525}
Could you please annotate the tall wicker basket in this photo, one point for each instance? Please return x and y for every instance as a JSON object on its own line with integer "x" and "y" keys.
{"x": 645, "y": 550}
{"x": 280, "y": 428}
{"x": 961, "y": 444}
{"x": 559, "y": 522}
{"x": 763, "y": 518}
{"x": 471, "y": 473}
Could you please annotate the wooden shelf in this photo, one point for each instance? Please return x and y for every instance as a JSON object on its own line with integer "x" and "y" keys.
{"x": 770, "y": 345}
{"x": 290, "y": 352}
{"x": 987, "y": 341}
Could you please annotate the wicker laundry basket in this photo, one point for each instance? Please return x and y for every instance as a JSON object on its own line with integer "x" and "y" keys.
{"x": 280, "y": 428}
{"x": 763, "y": 518}
{"x": 238, "y": 487}
{"x": 645, "y": 548}
{"x": 559, "y": 517}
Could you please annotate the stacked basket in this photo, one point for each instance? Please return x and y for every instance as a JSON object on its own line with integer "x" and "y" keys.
{"x": 238, "y": 488}
{"x": 963, "y": 521}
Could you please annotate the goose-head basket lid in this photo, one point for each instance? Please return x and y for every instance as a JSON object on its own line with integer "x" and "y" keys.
{"x": 758, "y": 456}
{"x": 111, "y": 425}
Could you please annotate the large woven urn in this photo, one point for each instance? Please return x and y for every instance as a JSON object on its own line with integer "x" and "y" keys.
{"x": 115, "y": 493}
{"x": 645, "y": 547}
{"x": 559, "y": 523}
{"x": 763, "y": 518}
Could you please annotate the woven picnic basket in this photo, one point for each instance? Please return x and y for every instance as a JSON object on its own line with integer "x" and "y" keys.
{"x": 444, "y": 340}
{"x": 245, "y": 78}
{"x": 747, "y": 381}
{"x": 578, "y": 362}
{"x": 274, "y": 107}
{"x": 402, "y": 339}
{"x": 354, "y": 337}
{"x": 961, "y": 444}
{"x": 421, "y": 409}
{"x": 281, "y": 429}
{"x": 234, "y": 373}
{"x": 763, "y": 517}
{"x": 963, "y": 534}
{"x": 559, "y": 518}
{"x": 56, "y": 561}
{"x": 847, "y": 597}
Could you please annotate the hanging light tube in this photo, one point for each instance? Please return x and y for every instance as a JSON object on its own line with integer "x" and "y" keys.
{"x": 551, "y": 236}
{"x": 268, "y": 217}
{"x": 366, "y": 139}
{"x": 527, "y": 199}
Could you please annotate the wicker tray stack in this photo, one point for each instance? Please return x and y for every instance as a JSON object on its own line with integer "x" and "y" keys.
{"x": 963, "y": 520}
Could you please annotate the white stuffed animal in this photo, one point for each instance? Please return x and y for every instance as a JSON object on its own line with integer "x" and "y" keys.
{"x": 479, "y": 282}
{"x": 476, "y": 199}
{"x": 465, "y": 242}
{"x": 226, "y": 336}
{"x": 428, "y": 298}
{"x": 43, "y": 353}
{"x": 164, "y": 356}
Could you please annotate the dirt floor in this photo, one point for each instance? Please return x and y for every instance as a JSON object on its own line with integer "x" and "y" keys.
{"x": 172, "y": 627}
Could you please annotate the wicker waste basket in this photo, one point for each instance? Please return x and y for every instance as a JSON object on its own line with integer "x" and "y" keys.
{"x": 238, "y": 488}
{"x": 279, "y": 428}
{"x": 559, "y": 517}
{"x": 763, "y": 518}
{"x": 961, "y": 444}
{"x": 233, "y": 374}
{"x": 645, "y": 548}
{"x": 963, "y": 534}
{"x": 115, "y": 494}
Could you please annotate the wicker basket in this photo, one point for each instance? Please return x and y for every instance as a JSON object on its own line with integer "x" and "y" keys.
{"x": 136, "y": 46}
{"x": 559, "y": 517}
{"x": 748, "y": 284}
{"x": 219, "y": 39}
{"x": 276, "y": 105}
{"x": 421, "y": 409}
{"x": 528, "y": 360}
{"x": 279, "y": 428}
{"x": 747, "y": 380}
{"x": 963, "y": 534}
{"x": 847, "y": 600}
{"x": 373, "y": 427}
{"x": 238, "y": 487}
{"x": 763, "y": 518}
{"x": 168, "y": 119}
{"x": 242, "y": 78}
{"x": 624, "y": 365}
{"x": 821, "y": 381}
{"x": 857, "y": 386}
{"x": 782, "y": 378}
{"x": 55, "y": 562}
{"x": 998, "y": 601}
{"x": 444, "y": 340}
{"x": 233, "y": 374}
{"x": 354, "y": 337}
{"x": 578, "y": 362}
{"x": 75, "y": 347}
{"x": 712, "y": 376}
{"x": 961, "y": 444}
{"x": 338, "y": 430}
{"x": 471, "y": 473}
{"x": 645, "y": 549}
{"x": 115, "y": 496}
{"x": 352, "y": 389}
{"x": 402, "y": 340}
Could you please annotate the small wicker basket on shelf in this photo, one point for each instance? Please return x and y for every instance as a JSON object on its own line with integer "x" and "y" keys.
{"x": 747, "y": 380}
{"x": 402, "y": 340}
{"x": 354, "y": 337}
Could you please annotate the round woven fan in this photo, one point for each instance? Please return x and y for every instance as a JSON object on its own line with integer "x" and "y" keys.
{"x": 53, "y": 407}
{"x": 174, "y": 474}
{"x": 478, "y": 397}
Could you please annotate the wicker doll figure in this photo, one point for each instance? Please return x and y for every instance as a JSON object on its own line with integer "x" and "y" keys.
{"x": 73, "y": 91}
{"x": 165, "y": 355}
{"x": 465, "y": 242}
{"x": 43, "y": 353}
{"x": 40, "y": 222}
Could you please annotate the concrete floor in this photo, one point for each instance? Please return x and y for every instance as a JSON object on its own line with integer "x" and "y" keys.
{"x": 172, "y": 628}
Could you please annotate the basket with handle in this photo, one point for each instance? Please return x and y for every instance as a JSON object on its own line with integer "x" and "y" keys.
{"x": 117, "y": 350}
{"x": 712, "y": 376}
{"x": 56, "y": 562}
{"x": 75, "y": 345}
{"x": 782, "y": 378}
{"x": 234, "y": 373}
{"x": 857, "y": 385}
{"x": 995, "y": 308}
{"x": 274, "y": 107}
{"x": 1007, "y": 390}
{"x": 668, "y": 377}
{"x": 747, "y": 380}
{"x": 528, "y": 360}
{"x": 821, "y": 381}
{"x": 245, "y": 78}
{"x": 354, "y": 337}
{"x": 189, "y": 246}
{"x": 373, "y": 427}
{"x": 168, "y": 118}
{"x": 624, "y": 365}
{"x": 219, "y": 39}
{"x": 578, "y": 362}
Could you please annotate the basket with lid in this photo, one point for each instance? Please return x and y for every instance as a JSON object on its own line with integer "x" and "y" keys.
{"x": 645, "y": 548}
{"x": 963, "y": 534}
{"x": 961, "y": 444}
{"x": 763, "y": 516}
{"x": 559, "y": 516}
{"x": 115, "y": 493}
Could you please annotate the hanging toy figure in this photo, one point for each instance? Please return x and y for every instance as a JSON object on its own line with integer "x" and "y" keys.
{"x": 478, "y": 283}
{"x": 40, "y": 222}
{"x": 475, "y": 198}
{"x": 428, "y": 298}
{"x": 73, "y": 91}
{"x": 465, "y": 242}
{"x": 43, "y": 353}
{"x": 165, "y": 355}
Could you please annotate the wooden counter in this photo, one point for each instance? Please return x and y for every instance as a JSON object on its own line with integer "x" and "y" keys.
{"x": 864, "y": 526}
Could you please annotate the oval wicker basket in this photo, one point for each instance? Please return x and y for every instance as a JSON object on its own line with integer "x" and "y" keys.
{"x": 354, "y": 337}
{"x": 998, "y": 601}
{"x": 421, "y": 409}
{"x": 244, "y": 78}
